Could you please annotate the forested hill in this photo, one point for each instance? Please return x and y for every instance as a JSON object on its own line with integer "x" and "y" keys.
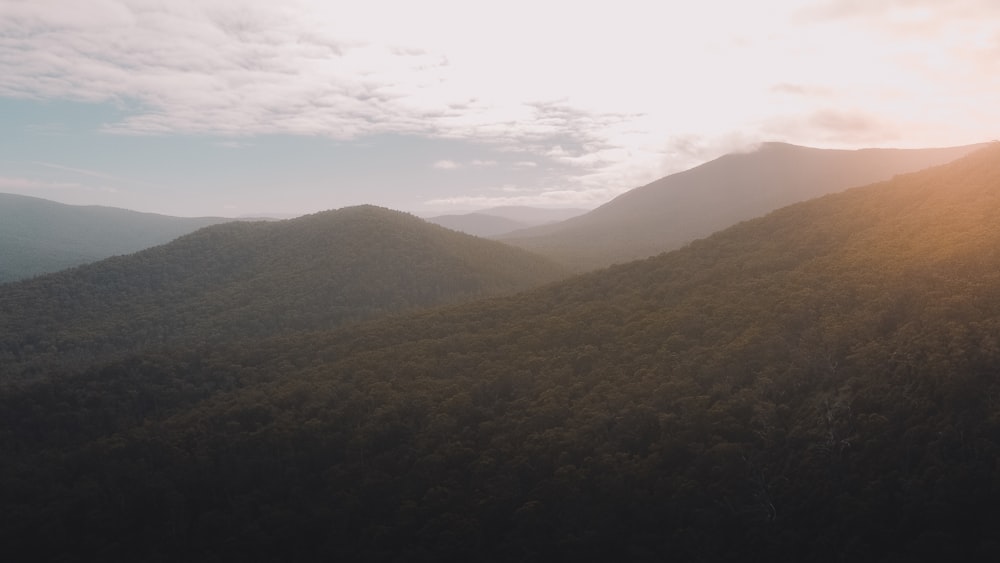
{"x": 249, "y": 279}
{"x": 820, "y": 384}
{"x": 679, "y": 208}
{"x": 38, "y": 236}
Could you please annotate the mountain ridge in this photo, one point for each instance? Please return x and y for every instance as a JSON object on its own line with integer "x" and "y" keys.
{"x": 691, "y": 204}
{"x": 39, "y": 236}
{"x": 497, "y": 221}
{"x": 254, "y": 278}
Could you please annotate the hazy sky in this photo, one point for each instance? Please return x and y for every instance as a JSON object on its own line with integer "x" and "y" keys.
{"x": 232, "y": 107}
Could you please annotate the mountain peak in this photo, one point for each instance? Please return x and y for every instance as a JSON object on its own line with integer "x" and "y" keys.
{"x": 253, "y": 278}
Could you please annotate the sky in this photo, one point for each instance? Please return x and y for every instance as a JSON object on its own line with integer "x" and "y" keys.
{"x": 257, "y": 107}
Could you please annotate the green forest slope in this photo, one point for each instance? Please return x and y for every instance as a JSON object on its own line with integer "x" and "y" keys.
{"x": 244, "y": 280}
{"x": 38, "y": 236}
{"x": 689, "y": 205}
{"x": 820, "y": 384}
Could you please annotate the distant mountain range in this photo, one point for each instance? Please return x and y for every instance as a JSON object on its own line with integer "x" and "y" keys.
{"x": 501, "y": 220}
{"x": 38, "y": 236}
{"x": 251, "y": 279}
{"x": 682, "y": 207}
{"x": 817, "y": 384}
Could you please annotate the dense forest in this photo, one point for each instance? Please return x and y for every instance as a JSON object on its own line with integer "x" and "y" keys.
{"x": 820, "y": 384}
{"x": 38, "y": 236}
{"x": 675, "y": 210}
{"x": 246, "y": 280}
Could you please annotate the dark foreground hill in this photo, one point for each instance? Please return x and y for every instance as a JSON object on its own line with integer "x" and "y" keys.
{"x": 38, "y": 236}
{"x": 244, "y": 280}
{"x": 682, "y": 207}
{"x": 821, "y": 384}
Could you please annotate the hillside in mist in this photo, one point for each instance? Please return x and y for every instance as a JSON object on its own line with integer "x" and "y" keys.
{"x": 244, "y": 280}
{"x": 689, "y": 205}
{"x": 497, "y": 221}
{"x": 819, "y": 384}
{"x": 478, "y": 224}
{"x": 38, "y": 236}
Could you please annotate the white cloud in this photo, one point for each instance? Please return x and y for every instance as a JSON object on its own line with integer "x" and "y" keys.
{"x": 81, "y": 171}
{"x": 446, "y": 165}
{"x": 233, "y": 144}
{"x": 551, "y": 198}
{"x": 483, "y": 163}
{"x": 28, "y": 184}
{"x": 604, "y": 90}
{"x": 512, "y": 189}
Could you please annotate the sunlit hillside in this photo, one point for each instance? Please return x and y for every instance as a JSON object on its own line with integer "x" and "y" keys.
{"x": 689, "y": 205}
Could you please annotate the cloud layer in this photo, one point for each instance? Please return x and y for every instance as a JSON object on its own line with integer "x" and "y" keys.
{"x": 613, "y": 95}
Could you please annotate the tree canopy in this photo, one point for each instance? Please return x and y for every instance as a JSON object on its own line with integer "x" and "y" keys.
{"x": 247, "y": 280}
{"x": 818, "y": 384}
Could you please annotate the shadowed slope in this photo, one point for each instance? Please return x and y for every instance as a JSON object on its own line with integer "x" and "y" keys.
{"x": 245, "y": 280}
{"x": 39, "y": 236}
